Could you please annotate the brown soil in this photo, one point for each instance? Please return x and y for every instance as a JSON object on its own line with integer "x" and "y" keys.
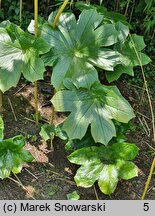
{"x": 51, "y": 175}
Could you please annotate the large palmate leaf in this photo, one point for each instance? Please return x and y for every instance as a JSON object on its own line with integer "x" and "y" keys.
{"x": 131, "y": 56}
{"x": 104, "y": 164}
{"x": 78, "y": 46}
{"x": 19, "y": 53}
{"x": 95, "y": 107}
{"x": 12, "y": 154}
{"x": 109, "y": 17}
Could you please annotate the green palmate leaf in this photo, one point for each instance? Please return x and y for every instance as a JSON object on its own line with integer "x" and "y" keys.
{"x": 75, "y": 144}
{"x": 87, "y": 174}
{"x": 73, "y": 196}
{"x": 127, "y": 169}
{"x": 49, "y": 131}
{"x": 118, "y": 71}
{"x": 19, "y": 53}
{"x": 78, "y": 46}
{"x": 104, "y": 164}
{"x": 125, "y": 151}
{"x": 95, "y": 107}
{"x": 129, "y": 57}
{"x": 12, "y": 156}
{"x": 108, "y": 179}
{"x": 108, "y": 17}
{"x": 1, "y": 129}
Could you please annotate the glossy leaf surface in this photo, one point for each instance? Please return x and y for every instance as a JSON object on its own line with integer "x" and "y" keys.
{"x": 104, "y": 164}
{"x": 95, "y": 107}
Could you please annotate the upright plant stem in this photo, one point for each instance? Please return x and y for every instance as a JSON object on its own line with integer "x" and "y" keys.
{"x": 148, "y": 179}
{"x": 59, "y": 13}
{"x": 126, "y": 9}
{"x": 54, "y": 26}
{"x": 20, "y": 14}
{"x": 133, "y": 6}
{"x": 35, "y": 83}
{"x": 153, "y": 120}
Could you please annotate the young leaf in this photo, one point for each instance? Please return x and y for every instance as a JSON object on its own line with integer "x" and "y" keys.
{"x": 104, "y": 164}
{"x": 73, "y": 196}
{"x": 79, "y": 46}
{"x": 49, "y": 131}
{"x": 96, "y": 107}
{"x": 12, "y": 156}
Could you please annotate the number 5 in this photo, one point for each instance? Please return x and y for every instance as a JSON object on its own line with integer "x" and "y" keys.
{"x": 146, "y": 207}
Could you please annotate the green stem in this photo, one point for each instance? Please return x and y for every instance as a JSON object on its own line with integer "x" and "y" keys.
{"x": 36, "y": 102}
{"x": 148, "y": 179}
{"x": 36, "y": 17}
{"x": 35, "y": 83}
{"x": 54, "y": 26}
{"x": 152, "y": 116}
{"x": 20, "y": 14}
{"x": 59, "y": 13}
{"x": 126, "y": 9}
{"x": 133, "y": 6}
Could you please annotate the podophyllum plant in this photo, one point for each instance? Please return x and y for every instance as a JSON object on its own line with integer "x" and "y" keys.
{"x": 19, "y": 54}
{"x": 78, "y": 48}
{"x": 12, "y": 154}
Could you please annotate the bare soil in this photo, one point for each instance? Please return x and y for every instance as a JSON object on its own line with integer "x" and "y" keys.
{"x": 51, "y": 176}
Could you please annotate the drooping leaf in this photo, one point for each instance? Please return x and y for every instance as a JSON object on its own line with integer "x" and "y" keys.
{"x": 118, "y": 71}
{"x": 95, "y": 107}
{"x": 12, "y": 156}
{"x": 19, "y": 53}
{"x": 104, "y": 164}
{"x": 9, "y": 79}
{"x": 131, "y": 56}
{"x": 78, "y": 46}
{"x": 123, "y": 31}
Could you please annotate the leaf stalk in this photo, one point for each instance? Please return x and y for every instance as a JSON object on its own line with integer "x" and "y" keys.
{"x": 20, "y": 13}
{"x": 152, "y": 116}
{"x": 59, "y": 13}
{"x": 35, "y": 83}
